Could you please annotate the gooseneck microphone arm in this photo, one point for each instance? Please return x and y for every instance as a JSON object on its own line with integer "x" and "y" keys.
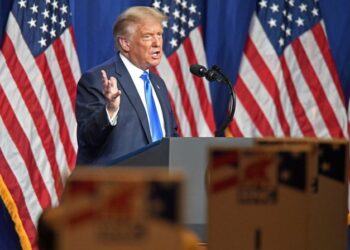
{"x": 217, "y": 74}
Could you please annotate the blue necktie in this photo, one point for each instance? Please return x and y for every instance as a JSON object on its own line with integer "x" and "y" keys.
{"x": 154, "y": 122}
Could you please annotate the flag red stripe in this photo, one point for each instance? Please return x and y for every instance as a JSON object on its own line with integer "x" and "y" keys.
{"x": 299, "y": 112}
{"x": 321, "y": 40}
{"x": 175, "y": 65}
{"x": 252, "y": 108}
{"x": 199, "y": 83}
{"x": 17, "y": 195}
{"x": 66, "y": 70}
{"x": 69, "y": 150}
{"x": 34, "y": 107}
{"x": 179, "y": 131}
{"x": 268, "y": 80}
{"x": 317, "y": 91}
{"x": 24, "y": 148}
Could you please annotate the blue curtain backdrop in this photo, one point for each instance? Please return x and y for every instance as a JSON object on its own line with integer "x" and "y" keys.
{"x": 225, "y": 30}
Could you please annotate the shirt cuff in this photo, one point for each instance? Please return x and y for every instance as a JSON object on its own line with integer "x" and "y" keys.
{"x": 113, "y": 119}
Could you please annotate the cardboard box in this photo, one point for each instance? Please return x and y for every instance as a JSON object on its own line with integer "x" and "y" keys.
{"x": 259, "y": 197}
{"x": 329, "y": 199}
{"x": 129, "y": 209}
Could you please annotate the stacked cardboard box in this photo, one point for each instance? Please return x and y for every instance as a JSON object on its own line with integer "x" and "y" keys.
{"x": 278, "y": 194}
{"x": 117, "y": 208}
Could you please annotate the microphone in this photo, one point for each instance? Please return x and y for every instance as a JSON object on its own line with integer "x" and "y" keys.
{"x": 201, "y": 71}
{"x": 198, "y": 70}
{"x": 217, "y": 74}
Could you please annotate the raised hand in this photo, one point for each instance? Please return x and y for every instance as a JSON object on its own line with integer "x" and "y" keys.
{"x": 111, "y": 92}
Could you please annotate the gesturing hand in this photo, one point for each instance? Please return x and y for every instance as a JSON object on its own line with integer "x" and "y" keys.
{"x": 111, "y": 92}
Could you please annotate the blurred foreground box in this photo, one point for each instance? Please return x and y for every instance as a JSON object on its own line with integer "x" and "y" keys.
{"x": 280, "y": 194}
{"x": 116, "y": 208}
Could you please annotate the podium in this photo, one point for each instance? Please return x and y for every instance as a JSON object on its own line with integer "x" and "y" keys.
{"x": 189, "y": 155}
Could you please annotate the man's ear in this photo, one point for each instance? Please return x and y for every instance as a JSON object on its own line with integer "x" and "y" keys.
{"x": 124, "y": 44}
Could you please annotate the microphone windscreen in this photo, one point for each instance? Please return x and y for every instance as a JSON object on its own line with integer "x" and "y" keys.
{"x": 198, "y": 70}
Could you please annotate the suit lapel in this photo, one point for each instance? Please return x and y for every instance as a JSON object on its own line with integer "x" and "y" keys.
{"x": 129, "y": 89}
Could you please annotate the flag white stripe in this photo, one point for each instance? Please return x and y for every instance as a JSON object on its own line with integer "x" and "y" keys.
{"x": 71, "y": 53}
{"x": 324, "y": 75}
{"x": 200, "y": 122}
{"x": 72, "y": 56}
{"x": 20, "y": 172}
{"x": 65, "y": 100}
{"x": 62, "y": 91}
{"x": 199, "y": 51}
{"x": 261, "y": 95}
{"x": 305, "y": 95}
{"x": 167, "y": 73}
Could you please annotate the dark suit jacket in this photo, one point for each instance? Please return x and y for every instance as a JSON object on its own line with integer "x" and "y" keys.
{"x": 98, "y": 141}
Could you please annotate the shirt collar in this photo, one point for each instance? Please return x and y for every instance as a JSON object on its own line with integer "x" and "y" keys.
{"x": 132, "y": 68}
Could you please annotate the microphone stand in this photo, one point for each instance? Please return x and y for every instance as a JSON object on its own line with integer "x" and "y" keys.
{"x": 221, "y": 77}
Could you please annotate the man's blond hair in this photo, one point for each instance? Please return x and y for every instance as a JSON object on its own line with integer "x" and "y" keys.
{"x": 127, "y": 22}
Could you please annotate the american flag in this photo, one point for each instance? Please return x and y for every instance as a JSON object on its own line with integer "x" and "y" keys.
{"x": 183, "y": 46}
{"x": 288, "y": 84}
{"x": 39, "y": 69}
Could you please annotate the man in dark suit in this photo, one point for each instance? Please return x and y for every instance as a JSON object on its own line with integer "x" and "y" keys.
{"x": 121, "y": 106}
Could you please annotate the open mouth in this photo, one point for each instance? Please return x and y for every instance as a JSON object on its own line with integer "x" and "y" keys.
{"x": 155, "y": 54}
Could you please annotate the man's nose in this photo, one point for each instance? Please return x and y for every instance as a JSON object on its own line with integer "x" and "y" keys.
{"x": 157, "y": 40}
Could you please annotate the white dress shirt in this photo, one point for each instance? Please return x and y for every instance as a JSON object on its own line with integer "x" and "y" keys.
{"x": 135, "y": 74}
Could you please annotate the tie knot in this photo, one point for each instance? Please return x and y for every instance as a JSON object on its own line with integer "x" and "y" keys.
{"x": 145, "y": 76}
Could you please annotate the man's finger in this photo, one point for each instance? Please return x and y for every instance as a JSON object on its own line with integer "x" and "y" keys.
{"x": 118, "y": 93}
{"x": 104, "y": 76}
{"x": 113, "y": 82}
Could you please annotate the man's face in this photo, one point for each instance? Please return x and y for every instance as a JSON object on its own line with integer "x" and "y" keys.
{"x": 145, "y": 48}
